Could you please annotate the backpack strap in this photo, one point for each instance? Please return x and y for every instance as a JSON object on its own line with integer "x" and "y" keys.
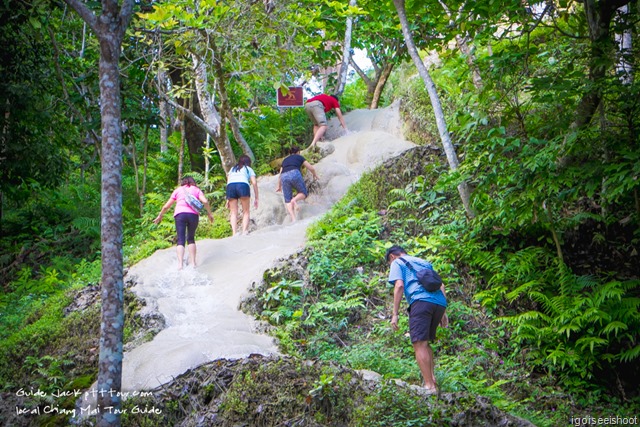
{"x": 408, "y": 264}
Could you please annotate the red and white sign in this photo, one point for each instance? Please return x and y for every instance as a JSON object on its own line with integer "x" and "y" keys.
{"x": 294, "y": 98}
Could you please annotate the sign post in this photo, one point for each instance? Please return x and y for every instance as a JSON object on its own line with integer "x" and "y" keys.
{"x": 293, "y": 98}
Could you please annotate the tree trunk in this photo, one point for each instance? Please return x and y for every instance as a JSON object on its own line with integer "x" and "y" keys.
{"x": 3, "y": 152}
{"x": 183, "y": 139}
{"x": 346, "y": 53}
{"x": 445, "y": 138}
{"x": 110, "y": 364}
{"x": 235, "y": 129}
{"x": 165, "y": 115}
{"x": 210, "y": 114}
{"x": 599, "y": 15}
{"x": 142, "y": 188}
{"x": 380, "y": 84}
{"x": 371, "y": 84}
{"x": 189, "y": 106}
{"x": 195, "y": 137}
{"x": 226, "y": 107}
{"x": 207, "y": 159}
{"x": 110, "y": 27}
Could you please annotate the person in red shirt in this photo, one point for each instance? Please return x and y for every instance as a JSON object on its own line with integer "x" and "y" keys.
{"x": 317, "y": 109}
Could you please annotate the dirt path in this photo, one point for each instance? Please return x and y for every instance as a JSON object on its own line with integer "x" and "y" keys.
{"x": 201, "y": 305}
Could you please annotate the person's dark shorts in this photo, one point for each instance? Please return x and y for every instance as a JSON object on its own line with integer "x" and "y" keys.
{"x": 292, "y": 180}
{"x": 424, "y": 318}
{"x": 237, "y": 190}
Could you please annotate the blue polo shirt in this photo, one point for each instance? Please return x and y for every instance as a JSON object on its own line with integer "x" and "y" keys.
{"x": 413, "y": 290}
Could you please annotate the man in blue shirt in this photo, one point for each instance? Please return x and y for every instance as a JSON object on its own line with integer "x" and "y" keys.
{"x": 426, "y": 309}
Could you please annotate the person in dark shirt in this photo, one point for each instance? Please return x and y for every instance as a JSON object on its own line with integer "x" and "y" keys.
{"x": 291, "y": 178}
{"x": 317, "y": 109}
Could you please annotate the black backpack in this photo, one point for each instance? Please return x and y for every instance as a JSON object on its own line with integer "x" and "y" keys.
{"x": 428, "y": 278}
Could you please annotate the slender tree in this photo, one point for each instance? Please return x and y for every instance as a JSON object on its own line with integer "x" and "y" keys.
{"x": 599, "y": 16}
{"x": 346, "y": 53}
{"x": 110, "y": 27}
{"x": 445, "y": 138}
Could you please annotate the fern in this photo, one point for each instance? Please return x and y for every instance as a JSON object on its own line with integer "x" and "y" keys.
{"x": 615, "y": 327}
{"x": 629, "y": 355}
{"x": 88, "y": 226}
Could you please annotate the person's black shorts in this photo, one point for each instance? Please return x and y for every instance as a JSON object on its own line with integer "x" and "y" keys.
{"x": 424, "y": 318}
{"x": 237, "y": 190}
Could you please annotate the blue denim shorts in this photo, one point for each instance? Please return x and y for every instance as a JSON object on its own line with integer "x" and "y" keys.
{"x": 290, "y": 180}
{"x": 238, "y": 190}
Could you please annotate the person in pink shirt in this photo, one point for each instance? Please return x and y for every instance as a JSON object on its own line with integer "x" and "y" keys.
{"x": 317, "y": 109}
{"x": 186, "y": 217}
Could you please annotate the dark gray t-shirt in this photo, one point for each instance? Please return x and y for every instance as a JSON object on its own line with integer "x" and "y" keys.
{"x": 292, "y": 162}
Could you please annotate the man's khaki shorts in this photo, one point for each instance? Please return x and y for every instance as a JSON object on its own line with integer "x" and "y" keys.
{"x": 315, "y": 111}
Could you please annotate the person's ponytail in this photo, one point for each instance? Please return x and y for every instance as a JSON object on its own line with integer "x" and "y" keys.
{"x": 243, "y": 161}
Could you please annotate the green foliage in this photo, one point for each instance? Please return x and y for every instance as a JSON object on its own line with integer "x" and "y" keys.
{"x": 390, "y": 406}
{"x": 29, "y": 293}
{"x": 421, "y": 204}
{"x": 322, "y": 392}
{"x": 281, "y": 302}
{"x": 31, "y": 323}
{"x": 33, "y": 125}
{"x": 48, "y": 371}
{"x": 581, "y": 326}
{"x": 35, "y": 336}
{"x": 353, "y": 97}
{"x": 417, "y": 111}
{"x": 344, "y": 238}
{"x": 271, "y": 132}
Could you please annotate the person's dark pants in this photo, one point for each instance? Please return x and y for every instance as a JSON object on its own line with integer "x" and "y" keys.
{"x": 186, "y": 224}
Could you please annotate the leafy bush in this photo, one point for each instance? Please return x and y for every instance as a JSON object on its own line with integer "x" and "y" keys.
{"x": 272, "y": 132}
{"x": 391, "y": 406}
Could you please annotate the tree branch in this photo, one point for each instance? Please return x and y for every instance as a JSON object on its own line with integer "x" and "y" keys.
{"x": 126, "y": 13}
{"x": 358, "y": 70}
{"x": 190, "y": 114}
{"x": 85, "y": 13}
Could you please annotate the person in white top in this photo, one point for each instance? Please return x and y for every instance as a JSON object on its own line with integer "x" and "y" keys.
{"x": 238, "y": 180}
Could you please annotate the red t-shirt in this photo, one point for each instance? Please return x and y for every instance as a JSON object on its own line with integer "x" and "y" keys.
{"x": 329, "y": 102}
